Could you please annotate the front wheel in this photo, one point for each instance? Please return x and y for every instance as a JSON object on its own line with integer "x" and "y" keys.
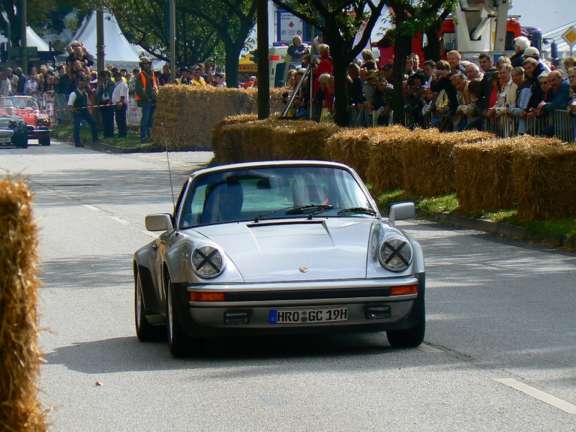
{"x": 44, "y": 140}
{"x": 144, "y": 330}
{"x": 178, "y": 341}
{"x": 410, "y": 338}
{"x": 21, "y": 141}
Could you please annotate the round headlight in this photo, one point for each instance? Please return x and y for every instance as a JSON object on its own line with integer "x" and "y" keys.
{"x": 207, "y": 262}
{"x": 395, "y": 254}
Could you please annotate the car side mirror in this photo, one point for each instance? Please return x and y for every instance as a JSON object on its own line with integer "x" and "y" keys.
{"x": 401, "y": 211}
{"x": 159, "y": 222}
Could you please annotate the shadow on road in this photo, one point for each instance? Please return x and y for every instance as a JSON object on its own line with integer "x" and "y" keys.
{"x": 231, "y": 357}
{"x": 88, "y": 272}
{"x": 104, "y": 187}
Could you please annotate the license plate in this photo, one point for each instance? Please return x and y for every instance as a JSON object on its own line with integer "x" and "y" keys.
{"x": 307, "y": 316}
{"x": 5, "y": 140}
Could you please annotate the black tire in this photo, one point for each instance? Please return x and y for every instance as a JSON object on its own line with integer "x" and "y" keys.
{"x": 178, "y": 341}
{"x": 144, "y": 330}
{"x": 21, "y": 141}
{"x": 410, "y": 338}
{"x": 413, "y": 337}
{"x": 44, "y": 140}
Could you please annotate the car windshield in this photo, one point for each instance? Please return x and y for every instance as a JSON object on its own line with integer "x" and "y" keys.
{"x": 273, "y": 192}
{"x": 25, "y": 102}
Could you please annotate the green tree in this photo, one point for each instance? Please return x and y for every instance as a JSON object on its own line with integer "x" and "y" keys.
{"x": 232, "y": 20}
{"x": 205, "y": 28}
{"x": 10, "y": 12}
{"x": 145, "y": 22}
{"x": 411, "y": 17}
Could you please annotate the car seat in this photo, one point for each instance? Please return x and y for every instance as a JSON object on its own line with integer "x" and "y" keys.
{"x": 223, "y": 203}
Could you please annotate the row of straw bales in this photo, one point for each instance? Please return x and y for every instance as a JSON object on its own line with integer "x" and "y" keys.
{"x": 493, "y": 176}
{"x": 19, "y": 354}
{"x": 244, "y": 139}
{"x": 388, "y": 158}
{"x": 534, "y": 175}
{"x": 185, "y": 115}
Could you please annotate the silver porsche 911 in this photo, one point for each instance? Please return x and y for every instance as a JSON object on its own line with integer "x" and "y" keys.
{"x": 274, "y": 247}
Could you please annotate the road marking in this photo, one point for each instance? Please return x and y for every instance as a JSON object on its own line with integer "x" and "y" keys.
{"x": 429, "y": 348}
{"x": 120, "y": 220}
{"x": 567, "y": 407}
{"x": 91, "y": 207}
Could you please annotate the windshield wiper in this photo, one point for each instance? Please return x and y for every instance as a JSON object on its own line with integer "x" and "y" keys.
{"x": 359, "y": 210}
{"x": 315, "y": 208}
{"x": 310, "y": 209}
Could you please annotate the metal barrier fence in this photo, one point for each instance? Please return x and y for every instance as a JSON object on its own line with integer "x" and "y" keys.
{"x": 560, "y": 124}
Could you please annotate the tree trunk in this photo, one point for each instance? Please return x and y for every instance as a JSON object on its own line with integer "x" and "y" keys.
{"x": 232, "y": 65}
{"x": 432, "y": 51}
{"x": 341, "y": 57}
{"x": 341, "y": 89}
{"x": 402, "y": 49}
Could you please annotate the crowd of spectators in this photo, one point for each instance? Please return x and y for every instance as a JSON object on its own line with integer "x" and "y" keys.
{"x": 452, "y": 94}
{"x": 76, "y": 93}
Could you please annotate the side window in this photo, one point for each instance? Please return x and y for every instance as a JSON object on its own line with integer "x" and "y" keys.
{"x": 194, "y": 208}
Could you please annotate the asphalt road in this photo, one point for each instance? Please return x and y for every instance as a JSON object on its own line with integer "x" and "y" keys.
{"x": 500, "y": 352}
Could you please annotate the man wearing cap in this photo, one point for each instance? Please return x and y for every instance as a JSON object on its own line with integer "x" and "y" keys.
{"x": 197, "y": 79}
{"x": 532, "y": 52}
{"x": 520, "y": 45}
{"x": 78, "y": 103}
{"x": 146, "y": 93}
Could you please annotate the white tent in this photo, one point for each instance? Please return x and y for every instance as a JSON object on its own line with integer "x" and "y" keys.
{"x": 117, "y": 50}
{"x": 32, "y": 40}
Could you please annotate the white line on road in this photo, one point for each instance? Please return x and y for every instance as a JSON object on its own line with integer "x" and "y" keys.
{"x": 120, "y": 220}
{"x": 567, "y": 407}
{"x": 91, "y": 207}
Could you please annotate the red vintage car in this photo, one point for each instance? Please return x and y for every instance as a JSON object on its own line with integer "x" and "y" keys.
{"x": 26, "y": 107}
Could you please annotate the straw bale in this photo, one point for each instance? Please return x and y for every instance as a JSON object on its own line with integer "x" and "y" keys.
{"x": 385, "y": 167}
{"x": 545, "y": 179}
{"x": 483, "y": 173}
{"x": 350, "y": 147}
{"x": 19, "y": 353}
{"x": 428, "y": 160}
{"x": 185, "y": 116}
{"x": 274, "y": 139}
{"x": 226, "y": 151}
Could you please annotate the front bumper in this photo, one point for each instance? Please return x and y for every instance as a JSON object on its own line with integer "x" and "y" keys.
{"x": 246, "y": 309}
{"x": 36, "y": 132}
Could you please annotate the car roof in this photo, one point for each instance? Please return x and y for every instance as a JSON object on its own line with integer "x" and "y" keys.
{"x": 267, "y": 164}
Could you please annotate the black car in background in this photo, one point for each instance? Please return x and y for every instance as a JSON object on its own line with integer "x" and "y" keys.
{"x": 13, "y": 131}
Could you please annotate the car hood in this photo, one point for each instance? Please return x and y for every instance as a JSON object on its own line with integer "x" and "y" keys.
{"x": 295, "y": 250}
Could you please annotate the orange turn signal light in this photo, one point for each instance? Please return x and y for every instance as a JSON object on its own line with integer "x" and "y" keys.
{"x": 198, "y": 296}
{"x": 403, "y": 290}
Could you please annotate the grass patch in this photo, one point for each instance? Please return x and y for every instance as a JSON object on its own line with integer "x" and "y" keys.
{"x": 448, "y": 204}
{"x": 132, "y": 140}
{"x": 445, "y": 204}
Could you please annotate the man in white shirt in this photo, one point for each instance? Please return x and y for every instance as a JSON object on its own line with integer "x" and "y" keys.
{"x": 5, "y": 84}
{"x": 120, "y": 101}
